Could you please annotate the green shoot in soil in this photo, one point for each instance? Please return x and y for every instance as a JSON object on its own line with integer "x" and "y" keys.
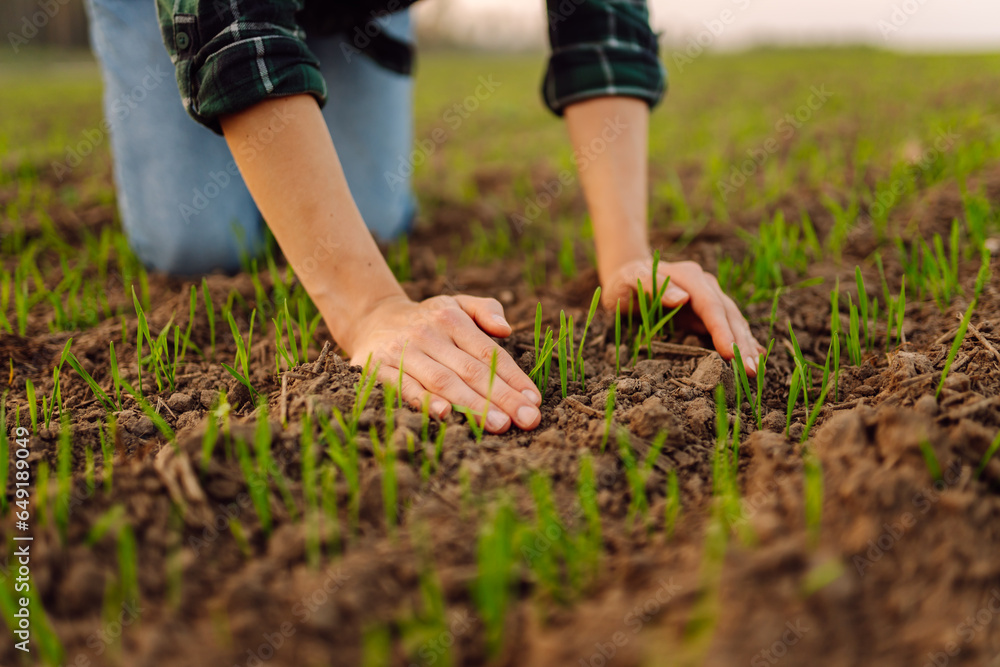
{"x": 990, "y": 452}
{"x": 562, "y": 352}
{"x": 931, "y": 459}
{"x": 242, "y": 354}
{"x": 587, "y": 498}
{"x": 638, "y": 503}
{"x": 817, "y": 406}
{"x": 209, "y": 312}
{"x": 609, "y": 414}
{"x": 793, "y": 395}
{"x": 812, "y": 477}
{"x": 618, "y": 336}
{"x": 496, "y": 561}
{"x": 984, "y": 272}
{"x": 583, "y": 337}
{"x": 99, "y": 393}
{"x": 649, "y": 308}
{"x": 673, "y": 505}
{"x": 29, "y": 388}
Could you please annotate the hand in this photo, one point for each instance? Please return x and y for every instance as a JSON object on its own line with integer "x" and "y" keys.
{"x": 445, "y": 348}
{"x": 709, "y": 309}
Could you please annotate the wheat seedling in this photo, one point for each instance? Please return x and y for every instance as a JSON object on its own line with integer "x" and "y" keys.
{"x": 583, "y": 337}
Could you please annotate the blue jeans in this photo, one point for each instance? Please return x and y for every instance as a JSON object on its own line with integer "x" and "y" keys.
{"x": 183, "y": 204}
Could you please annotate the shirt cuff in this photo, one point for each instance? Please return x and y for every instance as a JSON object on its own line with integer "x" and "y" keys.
{"x": 228, "y": 61}
{"x": 586, "y": 71}
{"x": 250, "y": 71}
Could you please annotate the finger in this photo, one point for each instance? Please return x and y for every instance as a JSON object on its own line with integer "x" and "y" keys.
{"x": 477, "y": 344}
{"x": 487, "y": 313}
{"x": 440, "y": 379}
{"x": 741, "y": 329}
{"x": 500, "y": 395}
{"x": 414, "y": 393}
{"x": 674, "y": 295}
{"x": 707, "y": 305}
{"x": 617, "y": 292}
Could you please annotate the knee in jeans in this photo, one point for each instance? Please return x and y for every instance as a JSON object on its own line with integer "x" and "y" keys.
{"x": 188, "y": 250}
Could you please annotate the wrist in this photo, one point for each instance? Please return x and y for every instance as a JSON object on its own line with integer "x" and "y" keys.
{"x": 349, "y": 316}
{"x": 611, "y": 260}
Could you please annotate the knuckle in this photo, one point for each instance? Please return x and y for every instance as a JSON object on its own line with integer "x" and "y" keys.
{"x": 422, "y": 331}
{"x": 447, "y": 317}
{"x": 485, "y": 355}
{"x": 381, "y": 359}
{"x": 471, "y": 369}
{"x": 507, "y": 398}
{"x": 440, "y": 379}
{"x": 394, "y": 349}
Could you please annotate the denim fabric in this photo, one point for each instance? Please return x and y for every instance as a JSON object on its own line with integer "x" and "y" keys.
{"x": 183, "y": 204}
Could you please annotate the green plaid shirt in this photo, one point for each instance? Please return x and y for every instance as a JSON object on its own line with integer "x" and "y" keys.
{"x": 232, "y": 54}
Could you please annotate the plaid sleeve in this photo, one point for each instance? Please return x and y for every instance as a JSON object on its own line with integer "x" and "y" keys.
{"x": 600, "y": 48}
{"x": 231, "y": 54}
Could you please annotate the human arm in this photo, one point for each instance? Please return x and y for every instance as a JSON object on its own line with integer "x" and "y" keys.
{"x": 610, "y": 137}
{"x": 298, "y": 184}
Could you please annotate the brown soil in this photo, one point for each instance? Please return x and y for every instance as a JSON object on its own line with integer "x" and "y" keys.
{"x": 904, "y": 571}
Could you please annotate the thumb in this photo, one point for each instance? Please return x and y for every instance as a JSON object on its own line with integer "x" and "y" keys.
{"x": 487, "y": 313}
{"x": 617, "y": 290}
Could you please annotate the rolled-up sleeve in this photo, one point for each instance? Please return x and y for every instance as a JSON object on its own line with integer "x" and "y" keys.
{"x": 229, "y": 55}
{"x": 601, "y": 48}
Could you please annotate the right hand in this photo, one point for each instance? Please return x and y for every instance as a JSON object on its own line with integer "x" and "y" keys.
{"x": 445, "y": 348}
{"x": 709, "y": 309}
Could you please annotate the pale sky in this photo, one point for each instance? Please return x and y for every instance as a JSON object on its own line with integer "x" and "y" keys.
{"x": 905, "y": 24}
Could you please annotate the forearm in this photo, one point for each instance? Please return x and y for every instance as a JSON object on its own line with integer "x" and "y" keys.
{"x": 298, "y": 184}
{"x": 610, "y": 136}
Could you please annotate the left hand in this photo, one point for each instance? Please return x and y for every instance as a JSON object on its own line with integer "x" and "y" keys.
{"x": 709, "y": 309}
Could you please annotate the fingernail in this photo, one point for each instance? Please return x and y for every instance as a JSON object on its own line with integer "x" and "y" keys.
{"x": 526, "y": 415}
{"x": 674, "y": 294}
{"x": 532, "y": 396}
{"x": 439, "y": 407}
{"x": 501, "y": 321}
{"x": 750, "y": 363}
{"x": 496, "y": 420}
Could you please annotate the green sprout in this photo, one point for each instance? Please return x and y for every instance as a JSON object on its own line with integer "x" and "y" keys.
{"x": 863, "y": 305}
{"x": 649, "y": 308}
{"x": 740, "y": 371}
{"x": 562, "y": 351}
{"x": 609, "y": 414}
{"x": 583, "y": 337}
{"x": 812, "y": 472}
{"x": 990, "y": 452}
{"x": 835, "y": 338}
{"x": 242, "y": 354}
{"x": 587, "y": 498}
{"x": 984, "y": 272}
{"x": 930, "y": 459}
{"x": 817, "y": 406}
{"x": 618, "y": 336}
{"x": 673, "y": 505}
{"x": 496, "y": 560}
{"x": 210, "y": 312}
